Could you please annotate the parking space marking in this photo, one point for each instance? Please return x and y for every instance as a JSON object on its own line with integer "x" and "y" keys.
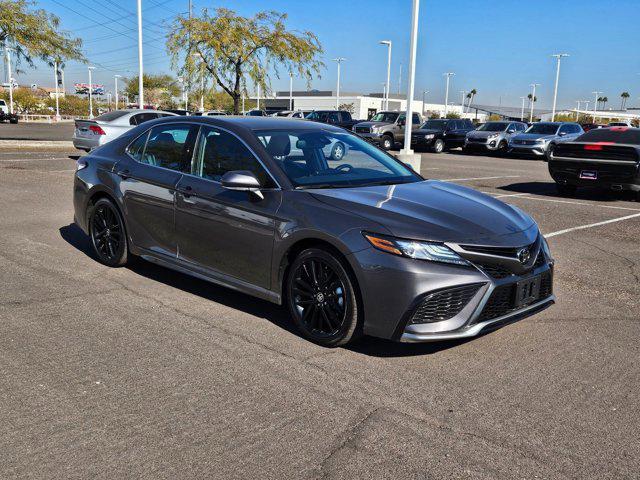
{"x": 526, "y": 197}
{"x": 582, "y": 227}
{"x": 477, "y": 178}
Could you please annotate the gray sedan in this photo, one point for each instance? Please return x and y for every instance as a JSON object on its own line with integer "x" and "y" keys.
{"x": 360, "y": 245}
{"x": 90, "y": 134}
{"x": 541, "y": 138}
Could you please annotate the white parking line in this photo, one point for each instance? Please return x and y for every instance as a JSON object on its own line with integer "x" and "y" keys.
{"x": 582, "y": 227}
{"x": 553, "y": 200}
{"x": 477, "y": 178}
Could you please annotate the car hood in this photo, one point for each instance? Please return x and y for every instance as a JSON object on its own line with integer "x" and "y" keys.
{"x": 437, "y": 211}
{"x": 482, "y": 134}
{"x": 426, "y": 131}
{"x": 533, "y": 136}
{"x": 372, "y": 124}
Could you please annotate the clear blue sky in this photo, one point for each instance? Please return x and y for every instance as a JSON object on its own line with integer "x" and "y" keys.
{"x": 498, "y": 47}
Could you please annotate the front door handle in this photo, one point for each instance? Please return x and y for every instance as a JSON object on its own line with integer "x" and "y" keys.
{"x": 186, "y": 190}
{"x": 123, "y": 173}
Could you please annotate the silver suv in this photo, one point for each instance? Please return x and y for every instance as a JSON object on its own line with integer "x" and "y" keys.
{"x": 493, "y": 136}
{"x": 386, "y": 128}
{"x": 541, "y": 138}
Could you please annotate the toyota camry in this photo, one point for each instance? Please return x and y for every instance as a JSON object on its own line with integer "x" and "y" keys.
{"x": 356, "y": 245}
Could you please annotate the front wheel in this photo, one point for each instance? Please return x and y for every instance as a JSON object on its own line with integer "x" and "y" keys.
{"x": 387, "y": 142}
{"x": 502, "y": 148}
{"x": 321, "y": 298}
{"x": 337, "y": 152}
{"x": 438, "y": 146}
{"x": 108, "y": 236}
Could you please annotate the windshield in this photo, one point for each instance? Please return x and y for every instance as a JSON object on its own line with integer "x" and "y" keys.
{"x": 110, "y": 116}
{"x": 435, "y": 125}
{"x": 386, "y": 117}
{"x": 493, "y": 127}
{"x": 317, "y": 158}
{"x": 543, "y": 128}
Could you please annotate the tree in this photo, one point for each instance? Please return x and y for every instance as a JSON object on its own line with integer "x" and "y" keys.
{"x": 34, "y": 34}
{"x": 604, "y": 102}
{"x": 623, "y": 103}
{"x": 452, "y": 115}
{"x": 347, "y": 107}
{"x": 158, "y": 89}
{"x": 470, "y": 96}
{"x": 231, "y": 48}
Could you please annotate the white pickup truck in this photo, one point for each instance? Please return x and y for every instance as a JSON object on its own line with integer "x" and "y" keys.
{"x": 5, "y": 116}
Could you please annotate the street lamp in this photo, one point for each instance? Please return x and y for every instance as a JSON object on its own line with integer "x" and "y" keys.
{"x": 462, "y": 102}
{"x": 386, "y": 99}
{"x": 116, "y": 77}
{"x": 339, "y": 60}
{"x": 291, "y": 91}
{"x": 140, "y": 71}
{"x": 406, "y": 152}
{"x": 533, "y": 99}
{"x": 595, "y": 105}
{"x": 198, "y": 55}
{"x": 8, "y": 56}
{"x": 558, "y": 56}
{"x": 55, "y": 79}
{"x": 578, "y": 102}
{"x": 446, "y": 94}
{"x": 522, "y": 111}
{"x": 90, "y": 93}
{"x": 424, "y": 95}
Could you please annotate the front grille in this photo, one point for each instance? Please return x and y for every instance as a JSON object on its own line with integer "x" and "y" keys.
{"x": 499, "y": 271}
{"x": 444, "y": 304}
{"x": 502, "y": 300}
{"x": 363, "y": 130}
{"x": 476, "y": 140}
{"x": 524, "y": 142}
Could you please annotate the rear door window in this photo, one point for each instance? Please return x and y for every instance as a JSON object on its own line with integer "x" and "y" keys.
{"x": 140, "y": 118}
{"x": 167, "y": 146}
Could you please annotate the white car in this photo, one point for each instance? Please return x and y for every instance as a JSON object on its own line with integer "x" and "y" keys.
{"x": 289, "y": 114}
{"x": 90, "y": 134}
{"x": 211, "y": 113}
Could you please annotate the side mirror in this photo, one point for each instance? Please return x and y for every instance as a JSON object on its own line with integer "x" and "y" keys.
{"x": 511, "y": 130}
{"x": 241, "y": 181}
{"x": 562, "y": 134}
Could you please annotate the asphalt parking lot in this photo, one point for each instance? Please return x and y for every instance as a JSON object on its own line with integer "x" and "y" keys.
{"x": 143, "y": 372}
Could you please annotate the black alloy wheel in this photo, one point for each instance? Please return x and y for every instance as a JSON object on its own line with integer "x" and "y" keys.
{"x": 321, "y": 298}
{"x": 107, "y": 232}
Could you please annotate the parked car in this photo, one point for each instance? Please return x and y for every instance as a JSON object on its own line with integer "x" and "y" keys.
{"x": 290, "y": 114}
{"x": 493, "y": 136}
{"x": 256, "y": 113}
{"x": 339, "y": 118}
{"x": 90, "y": 134}
{"x": 363, "y": 245}
{"x": 438, "y": 135}
{"x": 178, "y": 111}
{"x": 542, "y": 137}
{"x": 620, "y": 124}
{"x": 211, "y": 113}
{"x": 5, "y": 116}
{"x": 386, "y": 128}
{"x": 607, "y": 158}
{"x": 590, "y": 126}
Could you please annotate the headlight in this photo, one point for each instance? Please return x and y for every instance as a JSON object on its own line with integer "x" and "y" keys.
{"x": 374, "y": 129}
{"x": 431, "y": 251}
{"x": 429, "y": 136}
{"x": 494, "y": 135}
{"x": 545, "y": 248}
{"x": 542, "y": 140}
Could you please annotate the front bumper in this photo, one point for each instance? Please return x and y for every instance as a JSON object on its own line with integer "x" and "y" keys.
{"x": 537, "y": 150}
{"x": 482, "y": 144}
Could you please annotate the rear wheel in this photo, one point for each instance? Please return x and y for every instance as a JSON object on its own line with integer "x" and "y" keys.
{"x": 337, "y": 152}
{"x": 108, "y": 236}
{"x": 321, "y": 298}
{"x": 387, "y": 142}
{"x": 566, "y": 190}
{"x": 438, "y": 146}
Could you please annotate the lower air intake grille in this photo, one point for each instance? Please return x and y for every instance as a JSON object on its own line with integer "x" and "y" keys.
{"x": 444, "y": 304}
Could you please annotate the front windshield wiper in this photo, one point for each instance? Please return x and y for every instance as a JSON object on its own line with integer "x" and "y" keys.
{"x": 321, "y": 185}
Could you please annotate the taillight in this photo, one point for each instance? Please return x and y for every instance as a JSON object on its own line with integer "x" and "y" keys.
{"x": 593, "y": 147}
{"x": 97, "y": 129}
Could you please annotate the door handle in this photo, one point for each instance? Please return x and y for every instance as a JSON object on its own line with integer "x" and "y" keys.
{"x": 186, "y": 190}
{"x": 123, "y": 173}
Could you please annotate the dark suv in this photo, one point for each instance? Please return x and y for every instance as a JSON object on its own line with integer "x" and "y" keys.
{"x": 339, "y": 118}
{"x": 441, "y": 134}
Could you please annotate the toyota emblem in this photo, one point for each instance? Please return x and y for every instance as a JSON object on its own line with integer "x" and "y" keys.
{"x": 524, "y": 255}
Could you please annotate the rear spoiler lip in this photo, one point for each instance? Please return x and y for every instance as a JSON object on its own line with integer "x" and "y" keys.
{"x": 592, "y": 160}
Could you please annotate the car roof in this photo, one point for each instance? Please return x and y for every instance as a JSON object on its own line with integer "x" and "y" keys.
{"x": 244, "y": 122}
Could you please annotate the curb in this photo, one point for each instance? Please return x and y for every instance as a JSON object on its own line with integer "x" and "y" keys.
{"x": 57, "y": 144}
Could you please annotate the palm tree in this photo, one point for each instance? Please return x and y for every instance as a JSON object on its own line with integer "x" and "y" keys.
{"x": 599, "y": 102}
{"x": 470, "y": 96}
{"x": 623, "y": 103}
{"x": 604, "y": 102}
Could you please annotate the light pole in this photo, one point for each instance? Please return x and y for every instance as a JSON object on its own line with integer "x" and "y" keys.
{"x": 400, "y": 80}
{"x": 522, "y": 111}
{"x": 558, "y": 56}
{"x": 140, "y": 70}
{"x": 386, "y": 97}
{"x": 595, "y": 105}
{"x": 339, "y": 60}
{"x": 290, "y": 91}
{"x": 90, "y": 93}
{"x": 8, "y": 56}
{"x": 116, "y": 77}
{"x": 446, "y": 94}
{"x": 424, "y": 95}
{"x": 258, "y": 99}
{"x": 462, "y": 102}
{"x": 201, "y": 88}
{"x": 406, "y": 151}
{"x": 578, "y": 102}
{"x": 533, "y": 100}
{"x": 55, "y": 79}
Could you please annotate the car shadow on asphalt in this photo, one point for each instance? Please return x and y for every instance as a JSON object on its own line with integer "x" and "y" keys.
{"x": 548, "y": 189}
{"x": 271, "y": 312}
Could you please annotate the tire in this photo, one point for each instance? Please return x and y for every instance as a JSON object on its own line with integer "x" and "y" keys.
{"x": 338, "y": 150}
{"x": 438, "y": 146}
{"x": 387, "y": 142}
{"x": 503, "y": 146}
{"x": 322, "y": 299}
{"x": 14, "y": 121}
{"x": 566, "y": 190}
{"x": 549, "y": 151}
{"x": 107, "y": 233}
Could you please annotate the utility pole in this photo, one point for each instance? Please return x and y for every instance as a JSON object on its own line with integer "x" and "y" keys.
{"x": 339, "y": 60}
{"x": 388, "y": 85}
{"x": 595, "y": 105}
{"x": 55, "y": 79}
{"x": 400, "y": 80}
{"x": 116, "y": 77}
{"x": 522, "y": 111}
{"x": 578, "y": 102}
{"x": 8, "y": 56}
{"x": 290, "y": 91}
{"x": 258, "y": 100}
{"x": 406, "y": 152}
{"x": 462, "y": 102}
{"x": 446, "y": 94}
{"x": 90, "y": 93}
{"x": 533, "y": 100}
{"x": 140, "y": 70}
{"x": 558, "y": 56}
{"x": 201, "y": 86}
{"x": 424, "y": 95}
